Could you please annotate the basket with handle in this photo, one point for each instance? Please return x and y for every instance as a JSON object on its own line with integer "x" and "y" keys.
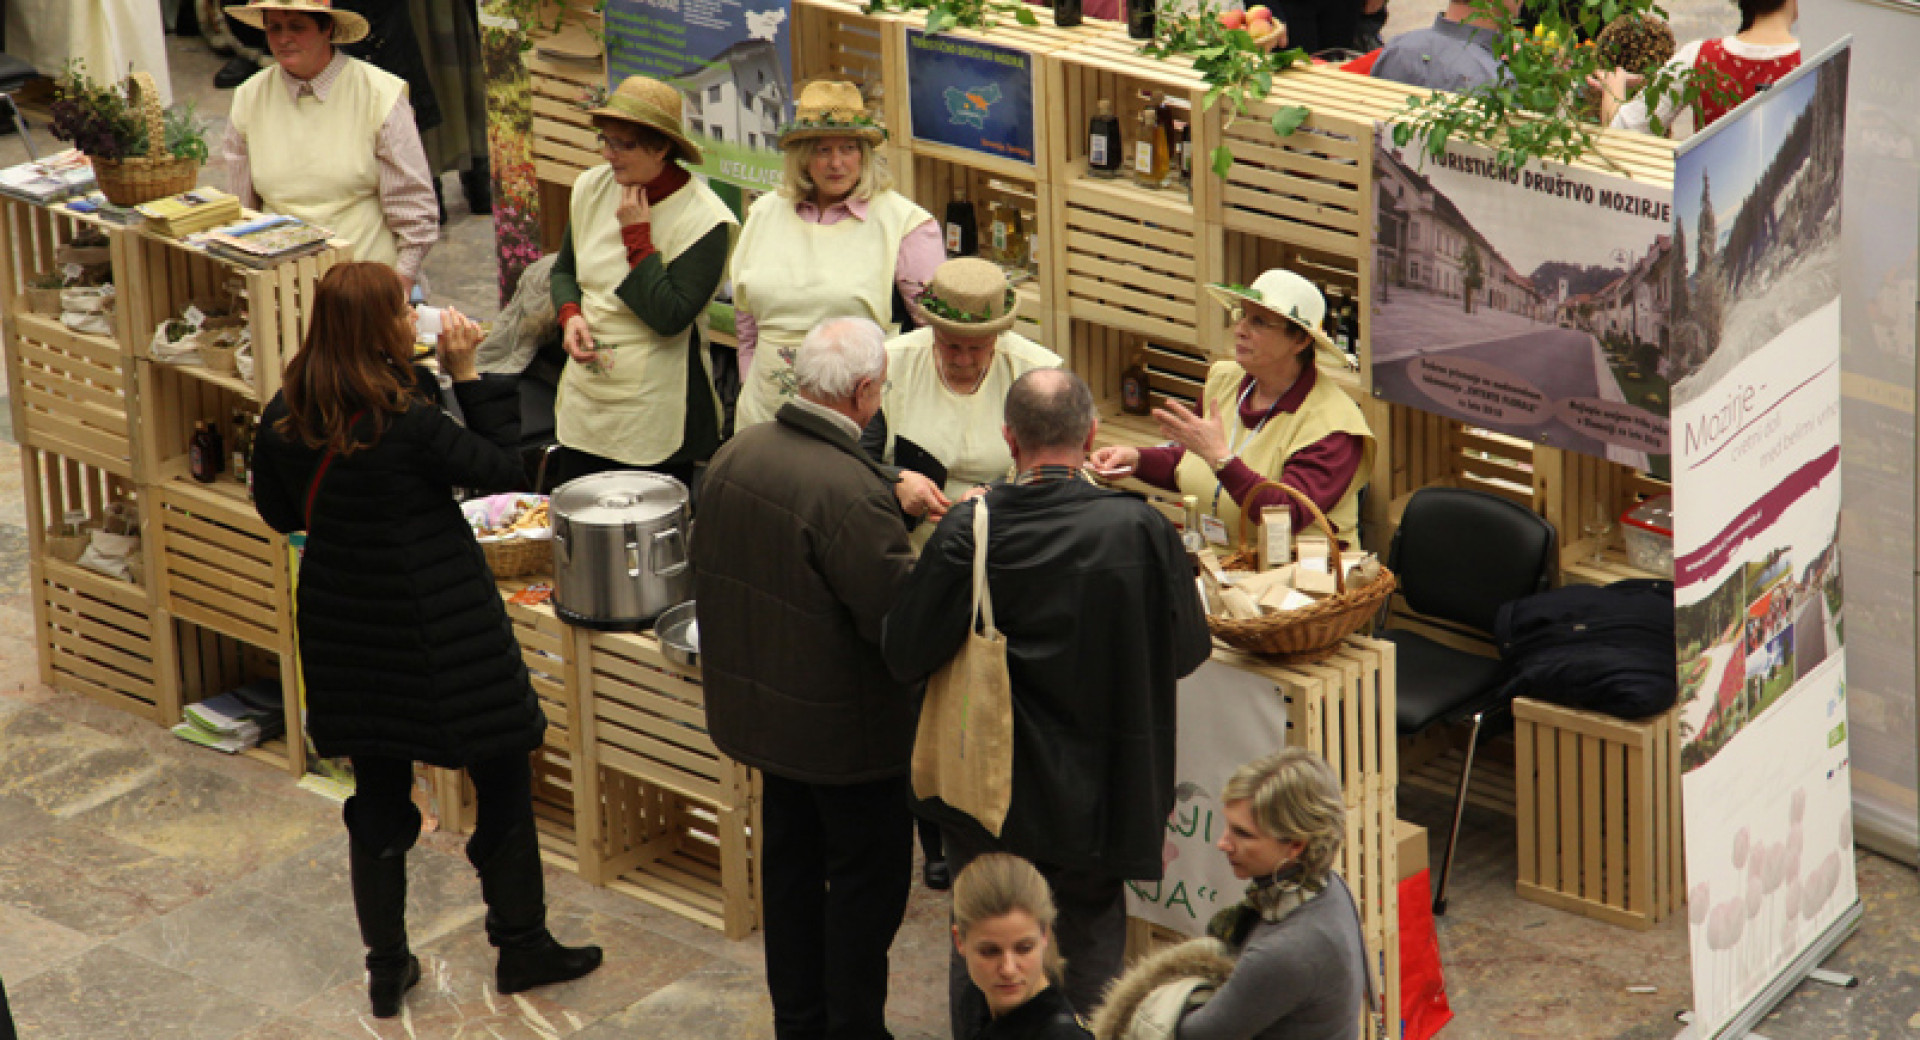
{"x": 156, "y": 175}
{"x": 1309, "y": 633}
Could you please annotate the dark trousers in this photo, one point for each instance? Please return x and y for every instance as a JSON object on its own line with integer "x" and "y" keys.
{"x": 1318, "y": 25}
{"x": 1091, "y": 929}
{"x": 6, "y": 1015}
{"x": 380, "y": 815}
{"x": 839, "y": 861}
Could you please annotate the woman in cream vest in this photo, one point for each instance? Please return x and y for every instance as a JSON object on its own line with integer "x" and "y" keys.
{"x": 645, "y": 248}
{"x": 1267, "y": 415}
{"x": 331, "y": 139}
{"x": 947, "y": 382}
{"x": 833, "y": 242}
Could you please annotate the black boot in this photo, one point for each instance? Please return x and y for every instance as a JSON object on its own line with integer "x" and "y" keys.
{"x": 477, "y": 183}
{"x": 517, "y": 919}
{"x": 380, "y": 901}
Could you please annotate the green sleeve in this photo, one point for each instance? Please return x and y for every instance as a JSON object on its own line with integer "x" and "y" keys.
{"x": 566, "y": 285}
{"x": 669, "y": 296}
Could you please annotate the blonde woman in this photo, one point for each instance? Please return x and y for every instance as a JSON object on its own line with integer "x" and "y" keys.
{"x": 1297, "y": 964}
{"x": 1003, "y": 918}
{"x": 835, "y": 241}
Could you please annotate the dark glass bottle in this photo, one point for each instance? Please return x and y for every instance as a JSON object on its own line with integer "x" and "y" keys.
{"x": 219, "y": 443}
{"x": 1066, "y": 13}
{"x": 1103, "y": 142}
{"x": 1140, "y": 19}
{"x": 963, "y": 227}
{"x": 201, "y": 455}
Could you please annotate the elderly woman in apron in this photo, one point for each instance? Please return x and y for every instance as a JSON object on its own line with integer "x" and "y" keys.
{"x": 645, "y": 249}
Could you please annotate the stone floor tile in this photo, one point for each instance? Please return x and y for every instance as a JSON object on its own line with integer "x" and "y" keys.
{"x": 91, "y": 883}
{"x": 280, "y": 952}
{"x": 30, "y": 945}
{"x": 442, "y": 891}
{"x": 1504, "y": 987}
{"x": 109, "y": 994}
{"x": 721, "y": 1002}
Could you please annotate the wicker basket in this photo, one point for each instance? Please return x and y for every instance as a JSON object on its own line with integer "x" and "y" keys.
{"x": 1309, "y": 633}
{"x": 519, "y": 557}
{"x": 130, "y": 182}
{"x": 44, "y": 301}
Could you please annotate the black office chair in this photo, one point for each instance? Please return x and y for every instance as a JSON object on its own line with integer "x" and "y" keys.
{"x": 14, "y": 74}
{"x": 1459, "y": 555}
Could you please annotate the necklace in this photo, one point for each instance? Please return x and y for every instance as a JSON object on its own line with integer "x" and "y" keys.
{"x": 968, "y": 392}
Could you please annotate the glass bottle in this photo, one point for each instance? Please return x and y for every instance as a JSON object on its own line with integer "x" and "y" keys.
{"x": 1150, "y": 151}
{"x": 1017, "y": 241}
{"x": 997, "y": 243}
{"x": 240, "y": 450}
{"x": 963, "y": 228}
{"x": 1135, "y": 388}
{"x": 1140, "y": 19}
{"x": 1103, "y": 141}
{"x": 1066, "y": 13}
{"x": 218, "y": 441}
{"x": 200, "y": 454}
{"x": 1034, "y": 251}
{"x": 1192, "y": 537}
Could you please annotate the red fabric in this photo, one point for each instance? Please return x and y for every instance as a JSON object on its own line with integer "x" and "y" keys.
{"x": 1742, "y": 76}
{"x": 1423, "y": 987}
{"x": 638, "y": 238}
{"x": 1363, "y": 65}
{"x": 567, "y": 313}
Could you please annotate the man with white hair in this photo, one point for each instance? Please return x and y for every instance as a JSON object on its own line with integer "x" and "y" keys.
{"x": 801, "y": 550}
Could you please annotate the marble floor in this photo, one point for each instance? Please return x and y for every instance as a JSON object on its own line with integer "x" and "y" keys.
{"x": 149, "y": 889}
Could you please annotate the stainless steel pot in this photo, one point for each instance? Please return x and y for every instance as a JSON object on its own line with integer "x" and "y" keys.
{"x": 619, "y": 549}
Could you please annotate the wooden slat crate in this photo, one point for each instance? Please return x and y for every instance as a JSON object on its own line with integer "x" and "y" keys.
{"x": 1130, "y": 261}
{"x": 837, "y": 39}
{"x": 934, "y": 180}
{"x": 95, "y": 634}
{"x": 73, "y": 393}
{"x": 220, "y": 567}
{"x": 667, "y": 817}
{"x": 163, "y": 276}
{"x": 207, "y": 663}
{"x": 550, "y": 651}
{"x": 1598, "y": 813}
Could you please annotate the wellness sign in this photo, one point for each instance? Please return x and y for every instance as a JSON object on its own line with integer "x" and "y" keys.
{"x": 971, "y": 95}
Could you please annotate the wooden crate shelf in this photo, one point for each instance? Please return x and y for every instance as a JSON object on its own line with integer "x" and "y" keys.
{"x": 1129, "y": 259}
{"x": 73, "y": 393}
{"x": 691, "y": 859}
{"x": 203, "y": 662}
{"x": 220, "y": 567}
{"x": 649, "y": 722}
{"x": 1598, "y": 813}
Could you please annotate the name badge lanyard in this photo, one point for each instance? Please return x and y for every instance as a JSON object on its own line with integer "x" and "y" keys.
{"x": 1246, "y": 435}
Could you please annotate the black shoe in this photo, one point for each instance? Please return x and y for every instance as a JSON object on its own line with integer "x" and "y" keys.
{"x": 440, "y": 200}
{"x": 477, "y": 183}
{"x": 380, "y": 903}
{"x": 937, "y": 875}
{"x": 236, "y": 71}
{"x": 515, "y": 892}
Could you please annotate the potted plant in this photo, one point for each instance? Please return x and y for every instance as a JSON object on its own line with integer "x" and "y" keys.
{"x": 139, "y": 153}
{"x": 43, "y": 293}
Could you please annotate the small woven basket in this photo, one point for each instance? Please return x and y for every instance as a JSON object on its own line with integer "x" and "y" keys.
{"x": 1310, "y": 633}
{"x": 130, "y": 182}
{"x": 518, "y": 557}
{"x": 44, "y": 301}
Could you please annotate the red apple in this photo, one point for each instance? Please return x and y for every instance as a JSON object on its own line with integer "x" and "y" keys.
{"x": 1233, "y": 19}
{"x": 1259, "y": 13}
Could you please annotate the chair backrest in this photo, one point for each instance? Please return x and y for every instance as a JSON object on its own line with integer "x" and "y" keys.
{"x": 1460, "y": 554}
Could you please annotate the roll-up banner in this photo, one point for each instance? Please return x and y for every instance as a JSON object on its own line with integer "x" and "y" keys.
{"x": 1754, "y": 363}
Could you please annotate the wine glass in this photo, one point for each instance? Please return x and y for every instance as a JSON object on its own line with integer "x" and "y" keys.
{"x": 1599, "y": 529}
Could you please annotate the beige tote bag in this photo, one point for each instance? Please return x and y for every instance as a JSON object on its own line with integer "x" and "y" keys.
{"x": 963, "y": 752}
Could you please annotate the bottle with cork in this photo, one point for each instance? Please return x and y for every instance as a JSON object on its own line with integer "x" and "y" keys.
{"x": 1103, "y": 141}
{"x": 1150, "y": 151}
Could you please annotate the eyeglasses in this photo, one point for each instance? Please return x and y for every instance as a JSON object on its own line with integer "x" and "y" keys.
{"x": 615, "y": 144}
{"x": 1258, "y": 321}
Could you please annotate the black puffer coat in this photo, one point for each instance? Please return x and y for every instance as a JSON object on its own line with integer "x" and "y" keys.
{"x": 404, "y": 643}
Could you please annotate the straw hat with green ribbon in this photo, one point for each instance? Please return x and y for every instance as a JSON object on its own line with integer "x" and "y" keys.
{"x": 969, "y": 297}
{"x": 348, "y": 27}
{"x": 654, "y": 105}
{"x": 1289, "y": 296}
{"x": 831, "y": 108}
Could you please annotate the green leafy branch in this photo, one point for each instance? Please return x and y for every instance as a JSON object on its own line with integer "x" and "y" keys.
{"x": 968, "y": 14}
{"x": 1235, "y": 66}
{"x": 1539, "y": 109}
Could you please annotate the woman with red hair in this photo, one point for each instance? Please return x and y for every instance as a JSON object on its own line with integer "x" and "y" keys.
{"x": 404, "y": 644}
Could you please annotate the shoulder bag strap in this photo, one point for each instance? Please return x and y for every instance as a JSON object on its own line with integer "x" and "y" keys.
{"x": 320, "y": 471}
{"x": 982, "y": 596}
{"x": 1376, "y": 1013}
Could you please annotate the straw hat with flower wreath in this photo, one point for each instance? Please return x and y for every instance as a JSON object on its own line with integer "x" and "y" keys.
{"x": 654, "y": 105}
{"x": 1289, "y": 296}
{"x": 969, "y": 297}
{"x": 348, "y": 26}
{"x": 831, "y": 108}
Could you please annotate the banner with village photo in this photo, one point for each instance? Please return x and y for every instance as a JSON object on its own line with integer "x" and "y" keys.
{"x": 729, "y": 59}
{"x": 1530, "y": 301}
{"x": 1754, "y": 356}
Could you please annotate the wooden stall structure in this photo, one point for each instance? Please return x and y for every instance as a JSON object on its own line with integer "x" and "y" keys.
{"x": 103, "y": 431}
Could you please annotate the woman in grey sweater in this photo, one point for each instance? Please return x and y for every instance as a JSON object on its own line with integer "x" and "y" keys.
{"x": 1298, "y": 962}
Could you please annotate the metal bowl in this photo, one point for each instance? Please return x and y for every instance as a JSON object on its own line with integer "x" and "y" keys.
{"x": 672, "y": 629}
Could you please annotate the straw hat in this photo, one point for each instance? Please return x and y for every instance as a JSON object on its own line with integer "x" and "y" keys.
{"x": 969, "y": 297}
{"x": 831, "y": 108}
{"x": 348, "y": 27}
{"x": 654, "y": 105}
{"x": 1289, "y": 296}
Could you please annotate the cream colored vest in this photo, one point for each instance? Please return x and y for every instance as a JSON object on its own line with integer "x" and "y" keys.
{"x": 634, "y": 410}
{"x": 962, "y": 431}
{"x": 315, "y": 161}
{"x": 1326, "y": 410}
{"x": 791, "y": 275}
